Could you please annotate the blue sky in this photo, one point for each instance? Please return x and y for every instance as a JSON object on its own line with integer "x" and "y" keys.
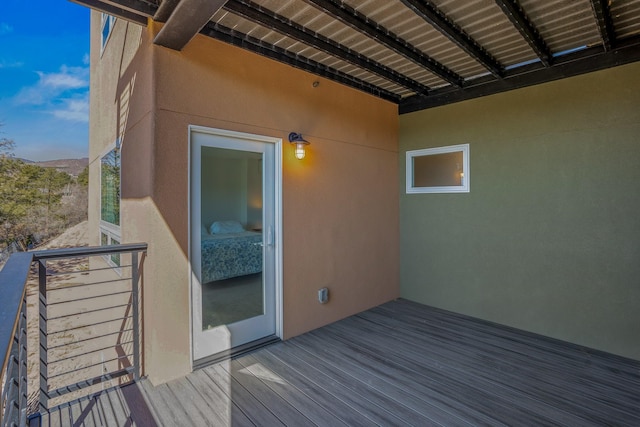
{"x": 44, "y": 78}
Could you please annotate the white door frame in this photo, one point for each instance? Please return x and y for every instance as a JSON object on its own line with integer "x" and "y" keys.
{"x": 277, "y": 142}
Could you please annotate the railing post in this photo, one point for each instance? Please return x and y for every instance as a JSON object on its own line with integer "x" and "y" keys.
{"x": 136, "y": 314}
{"x": 42, "y": 309}
{"x": 22, "y": 358}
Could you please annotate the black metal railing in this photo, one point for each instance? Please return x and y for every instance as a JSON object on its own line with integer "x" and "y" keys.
{"x": 13, "y": 340}
{"x": 81, "y": 317}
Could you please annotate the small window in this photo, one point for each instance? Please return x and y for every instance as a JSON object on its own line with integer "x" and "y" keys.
{"x": 438, "y": 170}
{"x": 107, "y": 22}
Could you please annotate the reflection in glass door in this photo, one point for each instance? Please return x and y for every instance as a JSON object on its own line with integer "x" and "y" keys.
{"x": 232, "y": 241}
{"x": 232, "y": 247}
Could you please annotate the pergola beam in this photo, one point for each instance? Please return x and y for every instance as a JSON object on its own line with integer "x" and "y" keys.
{"x": 356, "y": 20}
{"x": 165, "y": 10}
{"x": 521, "y": 21}
{"x": 187, "y": 19}
{"x": 255, "y": 45}
{"x": 262, "y": 16}
{"x": 126, "y": 14}
{"x": 436, "y": 18}
{"x": 605, "y": 23}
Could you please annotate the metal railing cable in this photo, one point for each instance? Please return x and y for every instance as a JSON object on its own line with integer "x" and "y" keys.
{"x": 85, "y": 325}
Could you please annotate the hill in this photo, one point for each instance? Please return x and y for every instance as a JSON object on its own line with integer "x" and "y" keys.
{"x": 71, "y": 166}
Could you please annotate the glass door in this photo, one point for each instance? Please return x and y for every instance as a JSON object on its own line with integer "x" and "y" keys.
{"x": 232, "y": 241}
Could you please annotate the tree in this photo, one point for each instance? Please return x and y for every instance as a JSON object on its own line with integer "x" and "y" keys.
{"x": 31, "y": 200}
{"x": 6, "y": 146}
{"x": 83, "y": 177}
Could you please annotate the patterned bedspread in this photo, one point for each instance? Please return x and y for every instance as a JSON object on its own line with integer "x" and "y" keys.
{"x": 230, "y": 255}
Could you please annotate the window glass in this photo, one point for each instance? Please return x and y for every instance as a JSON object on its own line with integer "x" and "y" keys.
{"x": 110, "y": 187}
{"x": 107, "y": 25}
{"x": 115, "y": 258}
{"x": 438, "y": 170}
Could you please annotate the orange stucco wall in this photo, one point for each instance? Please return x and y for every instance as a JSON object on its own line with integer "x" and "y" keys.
{"x": 340, "y": 204}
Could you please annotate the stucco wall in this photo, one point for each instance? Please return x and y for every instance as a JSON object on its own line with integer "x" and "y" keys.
{"x": 120, "y": 109}
{"x": 340, "y": 204}
{"x": 548, "y": 238}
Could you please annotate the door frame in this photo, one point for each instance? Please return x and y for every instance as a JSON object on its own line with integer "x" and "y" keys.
{"x": 277, "y": 143}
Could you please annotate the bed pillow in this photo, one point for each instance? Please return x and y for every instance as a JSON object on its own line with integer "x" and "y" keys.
{"x": 226, "y": 227}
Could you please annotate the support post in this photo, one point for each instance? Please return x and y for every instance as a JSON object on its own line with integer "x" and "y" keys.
{"x": 42, "y": 309}
{"x": 136, "y": 314}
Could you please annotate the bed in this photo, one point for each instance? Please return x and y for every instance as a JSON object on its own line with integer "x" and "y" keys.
{"x": 230, "y": 254}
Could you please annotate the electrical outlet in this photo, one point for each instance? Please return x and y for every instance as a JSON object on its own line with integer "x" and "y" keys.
{"x": 323, "y": 295}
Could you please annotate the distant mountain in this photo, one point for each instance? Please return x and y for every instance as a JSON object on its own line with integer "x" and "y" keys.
{"x": 70, "y": 166}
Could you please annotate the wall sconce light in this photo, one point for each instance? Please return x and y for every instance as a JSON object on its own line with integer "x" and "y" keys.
{"x": 296, "y": 138}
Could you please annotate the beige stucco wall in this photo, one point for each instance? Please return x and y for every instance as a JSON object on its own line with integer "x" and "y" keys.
{"x": 120, "y": 109}
{"x": 340, "y": 204}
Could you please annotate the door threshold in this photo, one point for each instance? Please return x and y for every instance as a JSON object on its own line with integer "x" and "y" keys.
{"x": 234, "y": 352}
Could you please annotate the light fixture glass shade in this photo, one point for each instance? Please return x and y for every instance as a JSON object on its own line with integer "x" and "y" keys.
{"x": 298, "y": 139}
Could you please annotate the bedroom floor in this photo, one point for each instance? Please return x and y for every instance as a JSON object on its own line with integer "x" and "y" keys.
{"x": 228, "y": 301}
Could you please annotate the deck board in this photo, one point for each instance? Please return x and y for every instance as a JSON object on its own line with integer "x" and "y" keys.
{"x": 401, "y": 363}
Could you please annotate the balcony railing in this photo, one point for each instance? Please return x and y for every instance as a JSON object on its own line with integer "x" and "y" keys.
{"x": 69, "y": 329}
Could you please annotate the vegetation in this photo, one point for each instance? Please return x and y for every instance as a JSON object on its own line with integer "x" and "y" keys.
{"x": 36, "y": 203}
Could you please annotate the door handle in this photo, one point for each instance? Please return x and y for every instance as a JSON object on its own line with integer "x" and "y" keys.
{"x": 270, "y": 239}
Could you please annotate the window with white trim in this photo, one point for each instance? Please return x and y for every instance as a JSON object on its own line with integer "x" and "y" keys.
{"x": 110, "y": 200}
{"x": 107, "y": 23}
{"x": 438, "y": 170}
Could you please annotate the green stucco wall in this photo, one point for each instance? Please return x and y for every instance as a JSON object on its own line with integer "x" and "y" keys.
{"x": 548, "y": 239}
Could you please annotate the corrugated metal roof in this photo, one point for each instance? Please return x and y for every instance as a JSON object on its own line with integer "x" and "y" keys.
{"x": 421, "y": 53}
{"x": 563, "y": 24}
{"x": 626, "y": 17}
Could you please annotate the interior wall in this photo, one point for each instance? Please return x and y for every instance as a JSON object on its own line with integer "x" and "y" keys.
{"x": 340, "y": 204}
{"x": 548, "y": 238}
{"x": 224, "y": 192}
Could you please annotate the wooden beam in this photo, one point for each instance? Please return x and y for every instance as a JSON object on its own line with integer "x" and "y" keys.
{"x": 436, "y": 18}
{"x": 255, "y": 45}
{"x": 573, "y": 64}
{"x": 119, "y": 12}
{"x": 605, "y": 23}
{"x": 529, "y": 32}
{"x": 187, "y": 19}
{"x": 262, "y": 16}
{"x": 356, "y": 20}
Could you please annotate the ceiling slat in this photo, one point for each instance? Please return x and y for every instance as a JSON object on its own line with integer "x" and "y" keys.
{"x": 272, "y": 20}
{"x": 430, "y": 13}
{"x": 580, "y": 62}
{"x": 605, "y": 23}
{"x": 359, "y": 22}
{"x": 255, "y": 45}
{"x": 519, "y": 18}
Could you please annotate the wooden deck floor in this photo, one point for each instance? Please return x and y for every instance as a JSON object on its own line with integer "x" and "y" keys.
{"x": 400, "y": 364}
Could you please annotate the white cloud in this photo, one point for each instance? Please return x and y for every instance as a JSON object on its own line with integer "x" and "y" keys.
{"x": 67, "y": 78}
{"x": 86, "y": 59}
{"x": 76, "y": 110}
{"x": 51, "y": 86}
{"x": 5, "y": 28}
